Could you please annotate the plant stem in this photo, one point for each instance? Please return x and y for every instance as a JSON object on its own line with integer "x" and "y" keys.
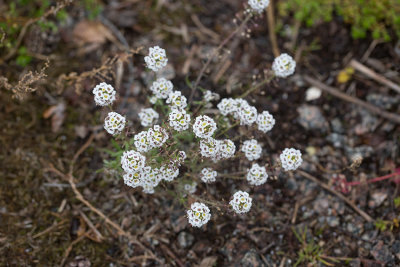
{"x": 374, "y": 180}
{"x": 238, "y": 29}
{"x": 257, "y": 86}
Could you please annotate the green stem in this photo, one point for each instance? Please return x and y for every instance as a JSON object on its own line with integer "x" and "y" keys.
{"x": 257, "y": 86}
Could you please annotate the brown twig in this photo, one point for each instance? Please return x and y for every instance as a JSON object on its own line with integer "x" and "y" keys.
{"x": 230, "y": 36}
{"x": 339, "y": 195}
{"x": 335, "y": 92}
{"x": 271, "y": 28}
{"x": 70, "y": 178}
{"x": 373, "y": 75}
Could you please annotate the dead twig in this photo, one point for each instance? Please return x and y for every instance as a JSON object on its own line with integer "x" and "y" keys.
{"x": 339, "y": 195}
{"x": 373, "y": 75}
{"x": 48, "y": 230}
{"x": 70, "y": 178}
{"x": 223, "y": 43}
{"x": 271, "y": 29}
{"x": 335, "y": 92}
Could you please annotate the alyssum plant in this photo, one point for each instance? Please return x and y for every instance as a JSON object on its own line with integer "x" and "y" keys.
{"x": 174, "y": 138}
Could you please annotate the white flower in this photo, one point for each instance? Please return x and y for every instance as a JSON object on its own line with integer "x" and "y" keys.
{"x": 153, "y": 99}
{"x": 161, "y": 88}
{"x": 104, "y": 94}
{"x": 176, "y": 100}
{"x": 209, "y": 147}
{"x": 210, "y": 96}
{"x": 257, "y": 175}
{"x": 238, "y": 104}
{"x": 227, "y": 148}
{"x": 133, "y": 179}
{"x": 151, "y": 176}
{"x": 291, "y": 159}
{"x": 208, "y": 175}
{"x": 241, "y": 202}
{"x": 169, "y": 174}
{"x": 284, "y": 65}
{"x": 148, "y": 188}
{"x": 179, "y": 120}
{"x": 114, "y": 123}
{"x": 157, "y": 136}
{"x": 157, "y": 58}
{"x": 265, "y": 121}
{"x": 141, "y": 143}
{"x": 251, "y": 149}
{"x": 199, "y": 214}
{"x": 181, "y": 157}
{"x": 132, "y": 161}
{"x": 247, "y": 115}
{"x": 227, "y": 106}
{"x": 190, "y": 188}
{"x": 204, "y": 126}
{"x": 148, "y": 117}
{"x": 258, "y": 5}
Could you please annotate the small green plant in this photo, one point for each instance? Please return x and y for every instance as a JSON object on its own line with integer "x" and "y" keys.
{"x": 310, "y": 251}
{"x": 396, "y": 202}
{"x": 384, "y": 225}
{"x": 377, "y": 17}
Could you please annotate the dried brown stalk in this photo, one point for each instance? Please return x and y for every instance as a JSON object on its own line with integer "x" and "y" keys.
{"x": 335, "y": 92}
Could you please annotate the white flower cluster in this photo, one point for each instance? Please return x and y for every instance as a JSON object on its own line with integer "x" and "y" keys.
{"x": 227, "y": 106}
{"x": 190, "y": 188}
{"x": 141, "y": 143}
{"x": 291, "y": 159}
{"x": 199, "y": 214}
{"x": 245, "y": 113}
{"x": 161, "y": 88}
{"x": 148, "y": 117}
{"x": 114, "y": 123}
{"x": 138, "y": 174}
{"x": 157, "y": 58}
{"x": 257, "y": 175}
{"x": 208, "y": 175}
{"x": 251, "y": 149}
{"x": 217, "y": 149}
{"x": 265, "y": 121}
{"x": 152, "y": 138}
{"x": 204, "y": 126}
{"x": 132, "y": 161}
{"x": 209, "y": 147}
{"x": 179, "y": 120}
{"x": 284, "y": 65}
{"x": 241, "y": 202}
{"x": 210, "y": 96}
{"x": 157, "y": 136}
{"x": 169, "y": 173}
{"x": 176, "y": 100}
{"x": 258, "y": 5}
{"x": 104, "y": 94}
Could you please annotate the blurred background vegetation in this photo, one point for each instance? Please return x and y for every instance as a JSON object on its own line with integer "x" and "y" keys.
{"x": 380, "y": 18}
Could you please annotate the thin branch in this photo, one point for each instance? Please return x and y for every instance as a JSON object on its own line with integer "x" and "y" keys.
{"x": 271, "y": 29}
{"x": 238, "y": 29}
{"x": 373, "y": 75}
{"x": 335, "y": 92}
{"x": 339, "y": 195}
